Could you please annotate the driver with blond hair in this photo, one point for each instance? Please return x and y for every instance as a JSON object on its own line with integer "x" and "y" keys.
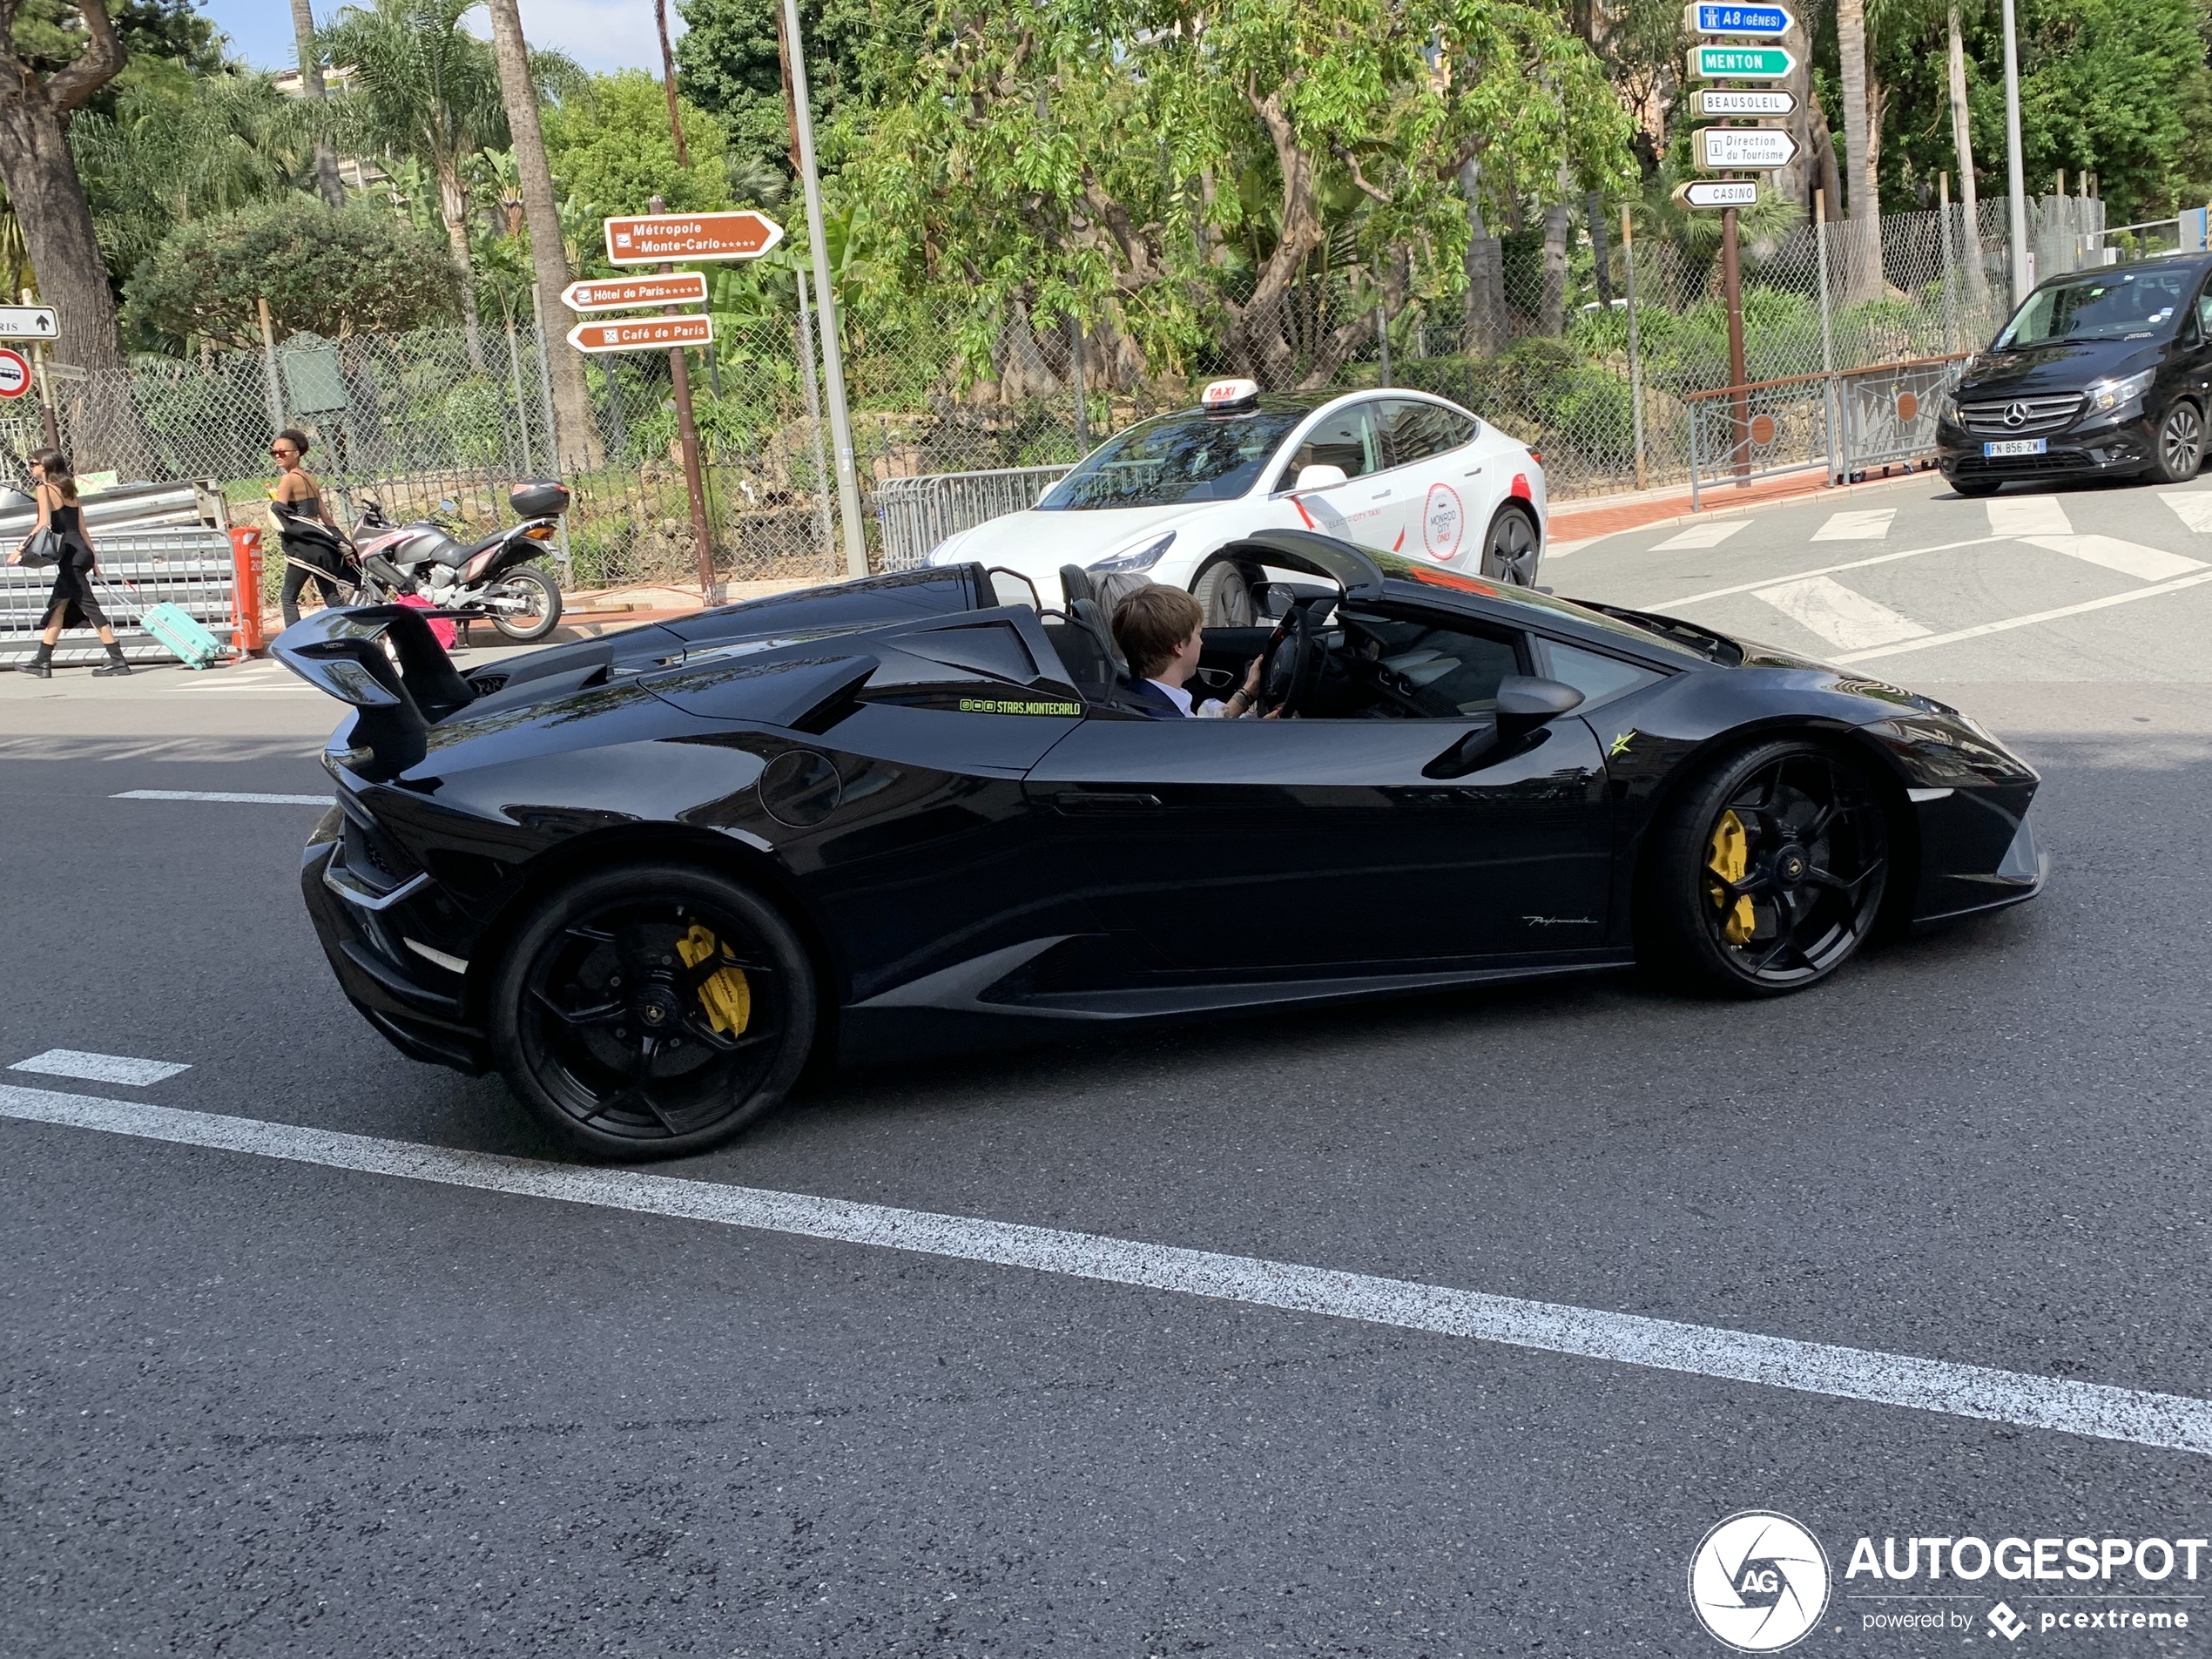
{"x": 1161, "y": 631}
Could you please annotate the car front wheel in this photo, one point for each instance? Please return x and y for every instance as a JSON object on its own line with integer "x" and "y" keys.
{"x": 2179, "y": 450}
{"x": 1769, "y": 874}
{"x": 652, "y": 1011}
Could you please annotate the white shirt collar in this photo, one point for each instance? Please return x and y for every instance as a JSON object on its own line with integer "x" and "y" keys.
{"x": 1178, "y": 696}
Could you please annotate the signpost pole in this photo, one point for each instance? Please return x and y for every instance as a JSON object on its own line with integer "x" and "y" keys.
{"x": 1636, "y": 357}
{"x": 1732, "y": 294}
{"x": 848, "y": 483}
{"x": 687, "y": 432}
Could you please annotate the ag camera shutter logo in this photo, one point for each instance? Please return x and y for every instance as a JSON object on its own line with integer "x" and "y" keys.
{"x": 1758, "y": 1582}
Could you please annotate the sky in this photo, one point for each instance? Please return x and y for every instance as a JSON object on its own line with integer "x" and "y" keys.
{"x": 598, "y": 34}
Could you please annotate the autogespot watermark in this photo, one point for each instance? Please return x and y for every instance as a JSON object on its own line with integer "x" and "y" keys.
{"x": 1760, "y": 1581}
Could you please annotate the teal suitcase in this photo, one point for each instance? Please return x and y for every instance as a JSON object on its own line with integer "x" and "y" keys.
{"x": 178, "y": 631}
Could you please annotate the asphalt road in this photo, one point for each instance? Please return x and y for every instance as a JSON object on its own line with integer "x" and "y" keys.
{"x": 259, "y": 1406}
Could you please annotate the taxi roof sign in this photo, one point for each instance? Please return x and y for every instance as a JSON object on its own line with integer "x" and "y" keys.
{"x": 1221, "y": 396}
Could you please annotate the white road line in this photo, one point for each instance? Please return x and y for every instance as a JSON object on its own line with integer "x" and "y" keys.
{"x": 1711, "y": 533}
{"x": 1839, "y": 614}
{"x": 2129, "y": 558}
{"x": 2177, "y": 1422}
{"x": 1868, "y": 524}
{"x": 101, "y": 1068}
{"x": 2028, "y": 516}
{"x": 1825, "y": 569}
{"x": 2030, "y": 620}
{"x": 2193, "y": 506}
{"x": 224, "y": 794}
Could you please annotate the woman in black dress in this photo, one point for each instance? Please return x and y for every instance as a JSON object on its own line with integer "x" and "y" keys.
{"x": 71, "y": 604}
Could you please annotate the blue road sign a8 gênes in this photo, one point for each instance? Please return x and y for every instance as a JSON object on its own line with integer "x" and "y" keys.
{"x": 1753, "y": 22}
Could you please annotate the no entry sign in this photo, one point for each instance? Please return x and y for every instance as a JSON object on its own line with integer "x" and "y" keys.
{"x": 654, "y": 237}
{"x": 14, "y": 374}
{"x": 643, "y": 334}
{"x": 626, "y": 293}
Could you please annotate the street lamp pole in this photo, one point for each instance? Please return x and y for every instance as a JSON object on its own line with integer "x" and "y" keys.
{"x": 848, "y": 483}
{"x": 2016, "y": 184}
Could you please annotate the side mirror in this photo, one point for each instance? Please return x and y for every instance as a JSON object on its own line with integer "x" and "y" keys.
{"x": 1526, "y": 702}
{"x": 1319, "y": 477}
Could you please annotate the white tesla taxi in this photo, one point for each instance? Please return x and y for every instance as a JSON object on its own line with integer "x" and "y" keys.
{"x": 1394, "y": 469}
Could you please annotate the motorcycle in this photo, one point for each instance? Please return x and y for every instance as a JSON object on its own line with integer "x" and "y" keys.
{"x": 488, "y": 580}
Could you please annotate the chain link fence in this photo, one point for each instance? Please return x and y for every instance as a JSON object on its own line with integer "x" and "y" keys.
{"x": 418, "y": 422}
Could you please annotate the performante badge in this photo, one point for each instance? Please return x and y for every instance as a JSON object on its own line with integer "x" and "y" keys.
{"x": 1758, "y": 1582}
{"x": 1621, "y": 743}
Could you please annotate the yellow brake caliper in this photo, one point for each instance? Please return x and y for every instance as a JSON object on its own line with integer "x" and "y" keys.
{"x": 726, "y": 997}
{"x": 1728, "y": 857}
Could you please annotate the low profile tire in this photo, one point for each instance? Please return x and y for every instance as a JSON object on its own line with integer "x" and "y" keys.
{"x": 1974, "y": 489}
{"x": 652, "y": 1011}
{"x": 1768, "y": 874}
{"x": 1224, "y": 593}
{"x": 2177, "y": 453}
{"x": 537, "y": 592}
{"x": 1512, "y": 549}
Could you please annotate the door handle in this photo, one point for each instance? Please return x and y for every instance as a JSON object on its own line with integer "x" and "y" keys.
{"x": 1382, "y": 495}
{"x": 1091, "y": 803}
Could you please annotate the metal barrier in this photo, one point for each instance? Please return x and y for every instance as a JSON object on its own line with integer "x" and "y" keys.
{"x": 914, "y": 514}
{"x": 1741, "y": 433}
{"x": 1847, "y": 423}
{"x": 1890, "y": 414}
{"x": 190, "y": 566}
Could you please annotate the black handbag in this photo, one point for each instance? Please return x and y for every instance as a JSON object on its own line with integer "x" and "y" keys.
{"x": 43, "y": 548}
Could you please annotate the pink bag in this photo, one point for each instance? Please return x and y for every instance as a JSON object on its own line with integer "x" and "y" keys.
{"x": 444, "y": 631}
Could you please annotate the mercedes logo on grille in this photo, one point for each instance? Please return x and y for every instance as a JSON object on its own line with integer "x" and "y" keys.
{"x": 2016, "y": 414}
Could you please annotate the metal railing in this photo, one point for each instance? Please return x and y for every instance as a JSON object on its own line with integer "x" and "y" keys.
{"x": 914, "y": 515}
{"x": 189, "y": 565}
{"x": 1847, "y": 424}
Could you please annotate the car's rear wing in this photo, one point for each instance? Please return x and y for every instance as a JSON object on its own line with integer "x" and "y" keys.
{"x": 384, "y": 663}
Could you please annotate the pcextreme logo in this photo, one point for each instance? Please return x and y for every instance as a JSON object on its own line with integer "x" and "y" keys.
{"x": 1758, "y": 1582}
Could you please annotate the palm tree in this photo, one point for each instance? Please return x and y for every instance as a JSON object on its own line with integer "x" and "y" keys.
{"x": 423, "y": 87}
{"x": 1863, "y": 265}
{"x": 311, "y": 88}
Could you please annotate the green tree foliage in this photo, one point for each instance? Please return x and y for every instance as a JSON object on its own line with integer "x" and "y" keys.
{"x": 728, "y": 64}
{"x": 1171, "y": 175}
{"x": 610, "y": 149}
{"x": 354, "y": 270}
{"x": 170, "y": 153}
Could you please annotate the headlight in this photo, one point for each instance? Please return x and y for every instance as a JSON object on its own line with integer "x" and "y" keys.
{"x": 2107, "y": 396}
{"x": 1137, "y": 558}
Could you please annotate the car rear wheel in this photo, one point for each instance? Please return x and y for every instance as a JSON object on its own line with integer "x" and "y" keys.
{"x": 1769, "y": 874}
{"x": 652, "y": 1011}
{"x": 2179, "y": 452}
{"x": 1511, "y": 550}
{"x": 1224, "y": 593}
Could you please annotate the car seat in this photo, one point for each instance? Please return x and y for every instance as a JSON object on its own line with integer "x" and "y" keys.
{"x": 1085, "y": 642}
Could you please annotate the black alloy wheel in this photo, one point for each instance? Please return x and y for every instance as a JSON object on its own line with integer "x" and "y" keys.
{"x": 2180, "y": 450}
{"x": 536, "y": 599}
{"x": 1769, "y": 874}
{"x": 652, "y": 1011}
{"x": 1510, "y": 553}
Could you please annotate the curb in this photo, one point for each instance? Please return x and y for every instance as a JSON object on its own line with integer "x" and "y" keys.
{"x": 1659, "y": 510}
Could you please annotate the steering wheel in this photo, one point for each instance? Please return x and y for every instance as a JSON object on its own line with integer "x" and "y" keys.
{"x": 1291, "y": 665}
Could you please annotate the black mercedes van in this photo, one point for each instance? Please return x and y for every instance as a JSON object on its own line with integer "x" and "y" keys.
{"x": 2102, "y": 371}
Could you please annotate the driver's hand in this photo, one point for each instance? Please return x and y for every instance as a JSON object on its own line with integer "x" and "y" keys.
{"x": 1251, "y": 678}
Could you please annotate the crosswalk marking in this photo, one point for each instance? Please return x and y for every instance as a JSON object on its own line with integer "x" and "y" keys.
{"x": 2127, "y": 596}
{"x": 1708, "y": 533}
{"x": 2194, "y": 507}
{"x": 1871, "y": 525}
{"x": 101, "y": 1068}
{"x": 2028, "y": 516}
{"x": 239, "y": 796}
{"x": 2129, "y": 558}
{"x": 1838, "y": 615}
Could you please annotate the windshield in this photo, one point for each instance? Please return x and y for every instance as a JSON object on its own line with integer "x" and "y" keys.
{"x": 2112, "y": 305}
{"x": 1175, "y": 458}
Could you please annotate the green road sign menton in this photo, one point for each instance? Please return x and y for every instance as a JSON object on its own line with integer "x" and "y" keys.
{"x": 1740, "y": 63}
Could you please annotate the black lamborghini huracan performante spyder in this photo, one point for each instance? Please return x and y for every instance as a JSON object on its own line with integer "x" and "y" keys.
{"x": 648, "y": 877}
